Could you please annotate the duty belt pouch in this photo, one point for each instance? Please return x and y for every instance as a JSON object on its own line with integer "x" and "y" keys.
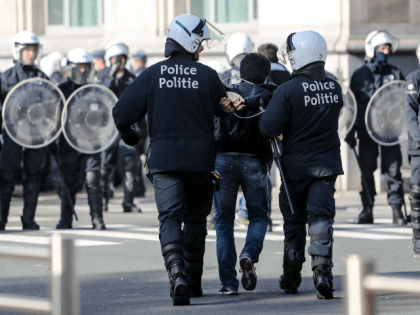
{"x": 216, "y": 180}
{"x": 149, "y": 175}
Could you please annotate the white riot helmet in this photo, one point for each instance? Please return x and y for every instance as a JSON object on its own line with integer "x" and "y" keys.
{"x": 79, "y": 65}
{"x": 115, "y": 49}
{"x": 304, "y": 48}
{"x": 238, "y": 44}
{"x": 190, "y": 31}
{"x": 378, "y": 38}
{"x": 22, "y": 40}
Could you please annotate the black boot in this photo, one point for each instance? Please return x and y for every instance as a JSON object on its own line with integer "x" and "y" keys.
{"x": 106, "y": 174}
{"x": 397, "y": 216}
{"x": 290, "y": 284}
{"x": 127, "y": 207}
{"x": 323, "y": 281}
{"x": 366, "y": 216}
{"x": 31, "y": 185}
{"x": 194, "y": 271}
{"x": 194, "y": 284}
{"x": 94, "y": 193}
{"x": 64, "y": 223}
{"x": 178, "y": 284}
{"x": 290, "y": 280}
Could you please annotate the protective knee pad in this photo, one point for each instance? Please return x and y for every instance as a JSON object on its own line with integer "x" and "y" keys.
{"x": 321, "y": 231}
{"x": 171, "y": 253}
{"x": 93, "y": 179}
{"x": 415, "y": 208}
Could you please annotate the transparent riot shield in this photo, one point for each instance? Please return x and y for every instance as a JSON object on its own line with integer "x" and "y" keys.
{"x": 385, "y": 118}
{"x": 87, "y": 119}
{"x": 348, "y": 113}
{"x": 32, "y": 113}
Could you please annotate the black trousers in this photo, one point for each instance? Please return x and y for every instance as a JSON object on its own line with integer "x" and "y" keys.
{"x": 391, "y": 160}
{"x": 183, "y": 197}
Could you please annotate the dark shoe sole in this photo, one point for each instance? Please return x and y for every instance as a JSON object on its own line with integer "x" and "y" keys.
{"x": 324, "y": 292}
{"x": 249, "y": 278}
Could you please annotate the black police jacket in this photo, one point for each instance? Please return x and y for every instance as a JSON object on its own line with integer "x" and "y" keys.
{"x": 15, "y": 75}
{"x": 278, "y": 74}
{"x": 116, "y": 85}
{"x": 180, "y": 97}
{"x": 306, "y": 113}
{"x": 412, "y": 106}
{"x": 365, "y": 81}
{"x": 234, "y": 134}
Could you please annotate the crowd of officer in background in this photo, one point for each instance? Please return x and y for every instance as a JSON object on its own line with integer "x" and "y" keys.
{"x": 243, "y": 153}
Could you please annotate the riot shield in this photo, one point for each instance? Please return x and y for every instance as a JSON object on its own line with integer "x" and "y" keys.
{"x": 32, "y": 113}
{"x": 87, "y": 119}
{"x": 385, "y": 118}
{"x": 348, "y": 113}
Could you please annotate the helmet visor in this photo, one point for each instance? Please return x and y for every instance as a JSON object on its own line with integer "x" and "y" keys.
{"x": 79, "y": 72}
{"x": 216, "y": 36}
{"x": 283, "y": 53}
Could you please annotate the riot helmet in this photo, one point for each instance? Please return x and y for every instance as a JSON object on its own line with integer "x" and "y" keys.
{"x": 79, "y": 65}
{"x": 26, "y": 48}
{"x": 237, "y": 47}
{"x": 379, "y": 38}
{"x": 115, "y": 49}
{"x": 304, "y": 48}
{"x": 189, "y": 32}
{"x": 52, "y": 63}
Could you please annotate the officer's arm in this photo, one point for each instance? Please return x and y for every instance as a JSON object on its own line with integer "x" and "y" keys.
{"x": 132, "y": 105}
{"x": 412, "y": 105}
{"x": 217, "y": 93}
{"x": 276, "y": 116}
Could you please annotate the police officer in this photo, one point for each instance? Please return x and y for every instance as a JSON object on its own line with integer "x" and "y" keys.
{"x": 117, "y": 78}
{"x": 305, "y": 110}
{"x": 364, "y": 82}
{"x": 181, "y": 97}
{"x": 79, "y": 64}
{"x": 139, "y": 62}
{"x": 412, "y": 107}
{"x": 99, "y": 60}
{"x": 25, "y": 48}
{"x": 237, "y": 47}
{"x": 278, "y": 74}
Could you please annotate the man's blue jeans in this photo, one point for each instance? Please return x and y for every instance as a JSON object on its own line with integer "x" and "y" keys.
{"x": 250, "y": 173}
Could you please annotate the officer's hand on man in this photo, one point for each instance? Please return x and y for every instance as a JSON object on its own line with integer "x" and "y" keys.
{"x": 131, "y": 139}
{"x": 351, "y": 138}
{"x": 238, "y": 104}
{"x": 227, "y": 104}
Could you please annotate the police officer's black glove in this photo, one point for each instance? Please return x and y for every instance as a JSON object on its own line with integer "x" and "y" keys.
{"x": 351, "y": 138}
{"x": 130, "y": 138}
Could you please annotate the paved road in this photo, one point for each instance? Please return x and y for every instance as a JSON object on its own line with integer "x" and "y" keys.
{"x": 121, "y": 270}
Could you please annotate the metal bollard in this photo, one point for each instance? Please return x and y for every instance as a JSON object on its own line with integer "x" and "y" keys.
{"x": 64, "y": 286}
{"x": 359, "y": 300}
